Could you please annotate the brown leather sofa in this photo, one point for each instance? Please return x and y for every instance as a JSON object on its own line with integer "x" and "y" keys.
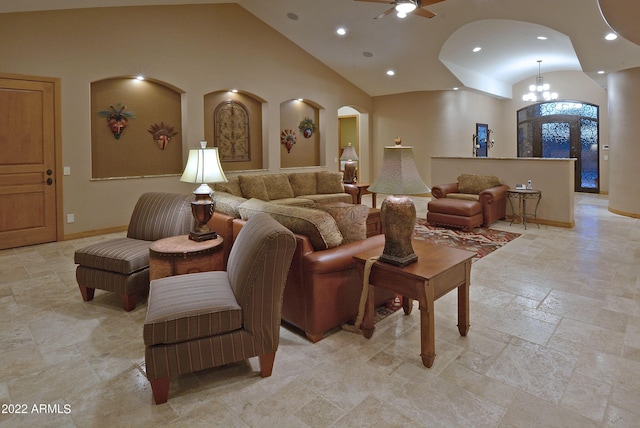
{"x": 323, "y": 286}
{"x": 487, "y": 190}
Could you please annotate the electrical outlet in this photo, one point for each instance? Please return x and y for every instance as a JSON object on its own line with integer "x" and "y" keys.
{"x": 71, "y": 218}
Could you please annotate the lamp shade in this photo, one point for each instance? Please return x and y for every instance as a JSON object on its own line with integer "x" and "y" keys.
{"x": 349, "y": 153}
{"x": 399, "y": 174}
{"x": 203, "y": 166}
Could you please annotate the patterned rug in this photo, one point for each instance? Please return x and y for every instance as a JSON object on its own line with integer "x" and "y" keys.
{"x": 480, "y": 240}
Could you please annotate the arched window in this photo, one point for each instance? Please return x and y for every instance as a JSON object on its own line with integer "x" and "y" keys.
{"x": 563, "y": 129}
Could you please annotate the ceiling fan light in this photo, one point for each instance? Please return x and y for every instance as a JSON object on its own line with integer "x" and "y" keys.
{"x": 405, "y": 7}
{"x": 401, "y": 15}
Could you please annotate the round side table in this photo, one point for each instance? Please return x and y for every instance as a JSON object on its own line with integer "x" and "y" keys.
{"x": 522, "y": 195}
{"x": 178, "y": 255}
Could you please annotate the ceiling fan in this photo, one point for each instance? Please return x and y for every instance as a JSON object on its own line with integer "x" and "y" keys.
{"x": 404, "y": 7}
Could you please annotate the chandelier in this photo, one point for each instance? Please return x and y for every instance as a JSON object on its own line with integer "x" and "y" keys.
{"x": 539, "y": 91}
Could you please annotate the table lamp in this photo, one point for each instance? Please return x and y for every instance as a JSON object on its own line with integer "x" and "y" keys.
{"x": 349, "y": 155}
{"x": 398, "y": 177}
{"x": 203, "y": 166}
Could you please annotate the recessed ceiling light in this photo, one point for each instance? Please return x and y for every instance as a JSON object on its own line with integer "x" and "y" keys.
{"x": 292, "y": 16}
{"x": 477, "y": 49}
{"x": 456, "y": 88}
{"x": 341, "y": 31}
{"x": 140, "y": 77}
{"x": 390, "y": 73}
{"x": 300, "y": 99}
{"x": 600, "y": 71}
{"x": 611, "y": 36}
{"x": 235, "y": 91}
{"x": 541, "y": 38}
{"x": 367, "y": 54}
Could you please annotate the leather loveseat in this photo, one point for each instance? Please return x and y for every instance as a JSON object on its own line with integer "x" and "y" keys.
{"x": 485, "y": 189}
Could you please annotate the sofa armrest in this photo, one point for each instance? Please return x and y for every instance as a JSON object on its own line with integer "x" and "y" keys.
{"x": 492, "y": 194}
{"x": 339, "y": 258}
{"x": 441, "y": 190}
{"x": 352, "y": 190}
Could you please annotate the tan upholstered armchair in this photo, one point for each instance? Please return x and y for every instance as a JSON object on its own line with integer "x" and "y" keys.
{"x": 121, "y": 265}
{"x": 486, "y": 189}
{"x": 203, "y": 320}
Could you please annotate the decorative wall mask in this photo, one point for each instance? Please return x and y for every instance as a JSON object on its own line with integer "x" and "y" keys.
{"x": 161, "y": 134}
{"x": 307, "y": 127}
{"x": 117, "y": 118}
{"x": 288, "y": 138}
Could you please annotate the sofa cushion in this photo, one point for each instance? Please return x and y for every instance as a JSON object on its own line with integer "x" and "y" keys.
{"x": 463, "y": 196}
{"x": 296, "y": 202}
{"x": 120, "y": 255}
{"x": 329, "y": 198}
{"x": 474, "y": 184}
{"x": 227, "y": 203}
{"x": 232, "y": 186}
{"x": 318, "y": 226}
{"x": 278, "y": 186}
{"x": 253, "y": 186}
{"x": 303, "y": 183}
{"x": 329, "y": 182}
{"x": 187, "y": 307}
{"x": 351, "y": 220}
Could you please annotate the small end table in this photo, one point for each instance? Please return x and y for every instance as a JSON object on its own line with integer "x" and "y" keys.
{"x": 439, "y": 270}
{"x": 178, "y": 255}
{"x": 363, "y": 190}
{"x": 522, "y": 195}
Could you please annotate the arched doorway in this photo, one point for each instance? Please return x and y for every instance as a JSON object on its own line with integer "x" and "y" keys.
{"x": 563, "y": 129}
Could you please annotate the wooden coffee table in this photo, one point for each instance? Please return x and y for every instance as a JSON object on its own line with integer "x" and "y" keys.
{"x": 439, "y": 270}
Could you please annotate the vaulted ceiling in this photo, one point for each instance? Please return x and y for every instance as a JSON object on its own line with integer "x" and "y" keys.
{"x": 437, "y": 53}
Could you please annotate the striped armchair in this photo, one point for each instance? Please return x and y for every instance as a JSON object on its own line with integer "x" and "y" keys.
{"x": 208, "y": 319}
{"x": 121, "y": 265}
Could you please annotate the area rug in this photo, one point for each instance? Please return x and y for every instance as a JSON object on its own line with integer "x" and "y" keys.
{"x": 481, "y": 240}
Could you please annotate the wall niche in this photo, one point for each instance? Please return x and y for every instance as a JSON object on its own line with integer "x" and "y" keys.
{"x": 305, "y": 151}
{"x": 148, "y": 141}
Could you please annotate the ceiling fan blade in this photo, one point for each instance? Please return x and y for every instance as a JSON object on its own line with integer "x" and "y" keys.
{"x": 385, "y": 13}
{"x": 380, "y": 1}
{"x": 423, "y": 3}
{"x": 423, "y": 12}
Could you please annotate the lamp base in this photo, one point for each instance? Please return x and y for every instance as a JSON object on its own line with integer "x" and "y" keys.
{"x": 398, "y": 218}
{"x": 349, "y": 172}
{"x": 202, "y": 209}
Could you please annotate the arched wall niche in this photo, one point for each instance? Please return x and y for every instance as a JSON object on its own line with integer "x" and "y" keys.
{"x": 147, "y": 141}
{"x": 363, "y": 142}
{"x": 233, "y": 123}
{"x": 297, "y": 148}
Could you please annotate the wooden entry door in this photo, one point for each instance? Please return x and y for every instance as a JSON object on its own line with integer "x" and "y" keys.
{"x": 29, "y": 173}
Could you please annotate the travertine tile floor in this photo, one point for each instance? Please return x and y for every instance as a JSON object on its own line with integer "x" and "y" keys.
{"x": 554, "y": 341}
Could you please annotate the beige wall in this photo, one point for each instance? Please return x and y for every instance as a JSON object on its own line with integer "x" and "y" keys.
{"x": 553, "y": 177}
{"x": 198, "y": 49}
{"x": 624, "y": 93}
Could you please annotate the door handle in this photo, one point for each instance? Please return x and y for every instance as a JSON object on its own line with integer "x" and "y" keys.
{"x": 49, "y": 181}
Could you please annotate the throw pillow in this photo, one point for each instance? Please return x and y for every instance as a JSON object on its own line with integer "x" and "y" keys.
{"x": 227, "y": 203}
{"x": 318, "y": 226}
{"x": 303, "y": 183}
{"x": 474, "y": 184}
{"x": 252, "y": 186}
{"x": 329, "y": 182}
{"x": 351, "y": 220}
{"x": 232, "y": 186}
{"x": 278, "y": 186}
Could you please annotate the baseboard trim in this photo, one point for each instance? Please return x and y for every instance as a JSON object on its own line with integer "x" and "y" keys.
{"x": 90, "y": 233}
{"x": 624, "y": 213}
